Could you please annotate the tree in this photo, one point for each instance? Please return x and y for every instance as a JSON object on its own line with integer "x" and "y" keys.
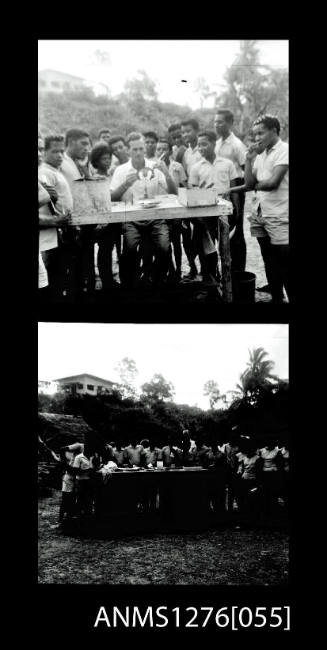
{"x": 141, "y": 89}
{"x": 257, "y": 378}
{"x": 211, "y": 390}
{"x": 253, "y": 88}
{"x": 157, "y": 390}
{"x": 127, "y": 372}
{"x": 202, "y": 88}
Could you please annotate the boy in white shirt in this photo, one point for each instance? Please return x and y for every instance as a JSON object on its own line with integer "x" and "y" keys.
{"x": 266, "y": 171}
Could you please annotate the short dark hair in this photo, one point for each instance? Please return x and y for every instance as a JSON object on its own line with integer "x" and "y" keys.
{"x": 166, "y": 141}
{"x": 99, "y": 149}
{"x": 134, "y": 135}
{"x": 49, "y": 139}
{"x": 104, "y": 130}
{"x": 174, "y": 127}
{"x": 210, "y": 135}
{"x": 191, "y": 122}
{"x": 117, "y": 138}
{"x": 75, "y": 134}
{"x": 151, "y": 134}
{"x": 269, "y": 121}
{"x": 228, "y": 115}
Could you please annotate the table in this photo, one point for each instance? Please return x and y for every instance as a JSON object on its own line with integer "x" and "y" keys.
{"x": 171, "y": 208}
{"x": 180, "y": 498}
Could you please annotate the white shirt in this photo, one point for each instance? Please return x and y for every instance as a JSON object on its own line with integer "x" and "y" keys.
{"x": 248, "y": 466}
{"x": 48, "y": 237}
{"x": 275, "y": 202}
{"x": 56, "y": 178}
{"x": 70, "y": 170}
{"x": 82, "y": 462}
{"x": 269, "y": 459}
{"x": 219, "y": 173}
{"x": 233, "y": 149}
{"x": 191, "y": 156}
{"x": 151, "y": 186}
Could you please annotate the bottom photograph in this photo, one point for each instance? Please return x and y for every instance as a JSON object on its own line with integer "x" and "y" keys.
{"x": 163, "y": 454}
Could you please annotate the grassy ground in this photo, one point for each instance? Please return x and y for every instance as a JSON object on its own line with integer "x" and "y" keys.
{"x": 219, "y": 557}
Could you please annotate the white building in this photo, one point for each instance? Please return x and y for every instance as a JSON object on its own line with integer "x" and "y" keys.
{"x": 56, "y": 82}
{"x": 84, "y": 384}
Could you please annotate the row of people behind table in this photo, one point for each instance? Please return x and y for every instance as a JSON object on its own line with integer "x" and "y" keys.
{"x": 146, "y": 165}
{"x": 238, "y": 471}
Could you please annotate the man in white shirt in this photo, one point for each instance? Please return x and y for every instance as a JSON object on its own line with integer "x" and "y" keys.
{"x": 135, "y": 181}
{"x": 231, "y": 147}
{"x": 49, "y": 172}
{"x": 80, "y": 239}
{"x": 188, "y": 157}
{"x": 219, "y": 173}
{"x": 176, "y": 226}
{"x": 266, "y": 172}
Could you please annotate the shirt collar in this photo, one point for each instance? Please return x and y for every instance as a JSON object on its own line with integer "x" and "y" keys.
{"x": 274, "y": 147}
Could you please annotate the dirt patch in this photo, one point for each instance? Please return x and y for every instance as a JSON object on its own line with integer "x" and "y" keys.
{"x": 219, "y": 557}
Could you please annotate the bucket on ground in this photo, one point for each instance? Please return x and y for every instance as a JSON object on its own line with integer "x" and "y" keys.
{"x": 243, "y": 285}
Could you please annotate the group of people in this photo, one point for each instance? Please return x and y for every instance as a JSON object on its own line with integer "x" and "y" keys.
{"x": 145, "y": 165}
{"x": 243, "y": 478}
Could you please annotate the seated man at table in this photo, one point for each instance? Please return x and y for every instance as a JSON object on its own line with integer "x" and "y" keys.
{"x": 134, "y": 181}
{"x": 219, "y": 173}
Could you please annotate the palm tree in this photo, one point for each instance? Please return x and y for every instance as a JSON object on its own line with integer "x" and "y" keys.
{"x": 257, "y": 377}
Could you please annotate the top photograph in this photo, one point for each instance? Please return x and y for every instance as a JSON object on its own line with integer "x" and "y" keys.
{"x": 163, "y": 175}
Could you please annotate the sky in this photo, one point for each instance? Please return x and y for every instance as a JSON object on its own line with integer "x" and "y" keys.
{"x": 165, "y": 61}
{"x": 187, "y": 355}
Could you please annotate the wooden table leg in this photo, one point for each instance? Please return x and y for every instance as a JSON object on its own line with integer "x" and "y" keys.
{"x": 224, "y": 249}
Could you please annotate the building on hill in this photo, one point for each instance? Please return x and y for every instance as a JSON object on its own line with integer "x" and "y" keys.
{"x": 47, "y": 387}
{"x": 84, "y": 384}
{"x": 57, "y": 82}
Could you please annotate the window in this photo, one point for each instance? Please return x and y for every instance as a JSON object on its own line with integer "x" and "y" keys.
{"x": 80, "y": 386}
{"x": 55, "y": 84}
{"x": 90, "y": 387}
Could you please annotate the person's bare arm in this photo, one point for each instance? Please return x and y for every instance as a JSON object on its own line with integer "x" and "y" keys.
{"x": 172, "y": 189}
{"x": 250, "y": 178}
{"x": 51, "y": 221}
{"x": 119, "y": 191}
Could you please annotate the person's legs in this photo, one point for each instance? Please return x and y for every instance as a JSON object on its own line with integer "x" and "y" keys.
{"x": 86, "y": 261}
{"x": 146, "y": 253}
{"x": 176, "y": 231}
{"x": 129, "y": 260}
{"x": 160, "y": 237}
{"x": 237, "y": 242}
{"x": 272, "y": 269}
{"x": 280, "y": 256}
{"x": 106, "y": 241}
{"x": 188, "y": 244}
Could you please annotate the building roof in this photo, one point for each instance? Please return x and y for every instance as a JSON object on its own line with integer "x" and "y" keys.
{"x": 73, "y": 378}
{"x": 63, "y": 74}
